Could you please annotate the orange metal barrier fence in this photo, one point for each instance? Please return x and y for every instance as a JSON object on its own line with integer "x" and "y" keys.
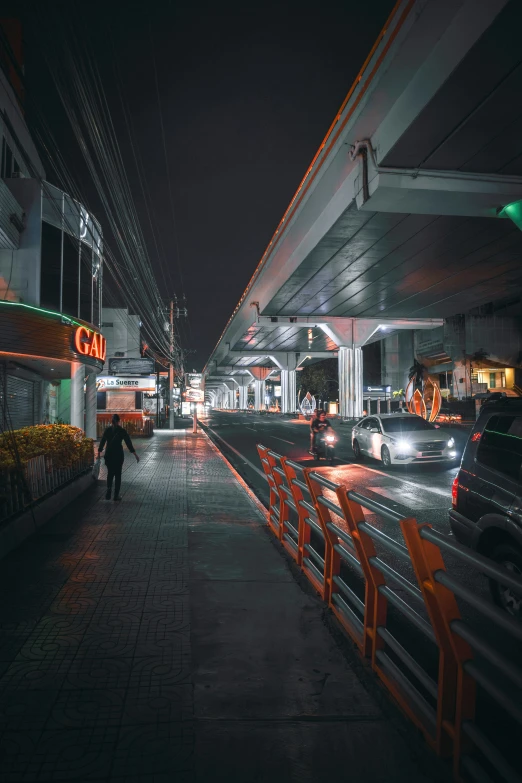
{"x": 407, "y": 622}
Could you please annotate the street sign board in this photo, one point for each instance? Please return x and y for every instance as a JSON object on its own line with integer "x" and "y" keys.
{"x": 194, "y": 391}
{"x": 112, "y": 383}
{"x": 308, "y": 404}
{"x": 376, "y": 389}
{"x": 122, "y": 366}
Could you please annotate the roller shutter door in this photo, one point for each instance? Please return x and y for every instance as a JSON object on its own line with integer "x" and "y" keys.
{"x": 20, "y": 402}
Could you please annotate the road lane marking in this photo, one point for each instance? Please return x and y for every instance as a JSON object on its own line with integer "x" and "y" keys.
{"x": 435, "y": 490}
{"x": 241, "y": 456}
{"x": 281, "y": 439}
{"x": 443, "y": 493}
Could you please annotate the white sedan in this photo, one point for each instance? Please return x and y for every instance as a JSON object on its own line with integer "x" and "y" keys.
{"x": 402, "y": 438}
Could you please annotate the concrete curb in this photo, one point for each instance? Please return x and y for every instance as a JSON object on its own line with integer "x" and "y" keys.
{"x": 251, "y": 494}
{"x": 17, "y": 529}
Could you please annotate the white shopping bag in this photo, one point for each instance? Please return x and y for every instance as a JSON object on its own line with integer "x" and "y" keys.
{"x": 96, "y": 469}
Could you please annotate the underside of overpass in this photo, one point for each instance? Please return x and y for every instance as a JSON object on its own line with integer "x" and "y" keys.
{"x": 398, "y": 222}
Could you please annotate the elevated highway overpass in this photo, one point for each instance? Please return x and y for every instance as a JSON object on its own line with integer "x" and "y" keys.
{"x": 399, "y": 221}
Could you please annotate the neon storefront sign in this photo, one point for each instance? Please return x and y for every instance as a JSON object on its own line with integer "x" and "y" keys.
{"x": 89, "y": 343}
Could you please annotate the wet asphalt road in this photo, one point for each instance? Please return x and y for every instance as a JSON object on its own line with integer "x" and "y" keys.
{"x": 419, "y": 491}
{"x": 422, "y": 491}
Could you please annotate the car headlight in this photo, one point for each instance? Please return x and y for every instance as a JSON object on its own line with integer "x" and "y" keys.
{"x": 403, "y": 446}
{"x": 451, "y": 443}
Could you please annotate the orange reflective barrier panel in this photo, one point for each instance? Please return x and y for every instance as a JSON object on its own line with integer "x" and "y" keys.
{"x": 307, "y": 511}
{"x": 375, "y": 603}
{"x": 456, "y": 689}
{"x": 268, "y": 463}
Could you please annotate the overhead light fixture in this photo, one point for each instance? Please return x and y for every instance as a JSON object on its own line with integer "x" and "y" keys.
{"x": 513, "y": 211}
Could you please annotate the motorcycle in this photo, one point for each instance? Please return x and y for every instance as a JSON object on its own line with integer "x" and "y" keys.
{"x": 325, "y": 446}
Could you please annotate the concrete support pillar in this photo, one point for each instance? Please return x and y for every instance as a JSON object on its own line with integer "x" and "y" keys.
{"x": 397, "y": 355}
{"x": 243, "y": 395}
{"x": 226, "y": 397}
{"x": 259, "y": 395}
{"x": 288, "y": 391}
{"x": 350, "y": 382}
{"x": 90, "y": 406}
{"x": 77, "y": 395}
{"x": 229, "y": 388}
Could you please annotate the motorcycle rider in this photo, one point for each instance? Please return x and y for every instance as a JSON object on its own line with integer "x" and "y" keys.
{"x": 318, "y": 424}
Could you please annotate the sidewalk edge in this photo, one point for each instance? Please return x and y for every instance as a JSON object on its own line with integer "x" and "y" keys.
{"x": 252, "y": 496}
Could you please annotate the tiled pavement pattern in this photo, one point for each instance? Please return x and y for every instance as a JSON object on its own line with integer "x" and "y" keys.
{"x": 165, "y": 639}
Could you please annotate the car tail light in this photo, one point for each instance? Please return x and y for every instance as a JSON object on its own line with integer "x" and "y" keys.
{"x": 454, "y": 491}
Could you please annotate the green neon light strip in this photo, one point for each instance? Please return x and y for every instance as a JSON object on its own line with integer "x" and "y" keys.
{"x": 47, "y": 312}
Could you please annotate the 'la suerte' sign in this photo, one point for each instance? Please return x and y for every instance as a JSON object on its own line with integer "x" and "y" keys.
{"x": 109, "y": 382}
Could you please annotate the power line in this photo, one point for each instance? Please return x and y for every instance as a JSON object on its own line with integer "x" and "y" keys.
{"x": 167, "y": 168}
{"x": 85, "y": 104}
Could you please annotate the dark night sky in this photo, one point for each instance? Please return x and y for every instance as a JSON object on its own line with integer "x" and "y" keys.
{"x": 248, "y": 92}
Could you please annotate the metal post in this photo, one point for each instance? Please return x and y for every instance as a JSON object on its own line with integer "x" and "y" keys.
{"x": 158, "y": 398}
{"x": 195, "y": 418}
{"x": 77, "y": 395}
{"x": 93, "y": 283}
{"x": 100, "y": 290}
{"x": 171, "y": 367}
{"x": 90, "y": 406}
{"x": 61, "y": 255}
{"x": 79, "y": 274}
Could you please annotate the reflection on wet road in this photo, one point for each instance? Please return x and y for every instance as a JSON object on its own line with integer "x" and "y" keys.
{"x": 419, "y": 491}
{"x": 423, "y": 491}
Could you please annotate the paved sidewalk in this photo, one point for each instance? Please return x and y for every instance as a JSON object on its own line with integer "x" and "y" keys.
{"x": 164, "y": 639}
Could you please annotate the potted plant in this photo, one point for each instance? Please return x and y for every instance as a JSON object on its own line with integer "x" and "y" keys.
{"x": 398, "y": 395}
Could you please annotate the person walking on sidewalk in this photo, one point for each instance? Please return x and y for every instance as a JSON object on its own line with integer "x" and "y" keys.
{"x": 114, "y": 437}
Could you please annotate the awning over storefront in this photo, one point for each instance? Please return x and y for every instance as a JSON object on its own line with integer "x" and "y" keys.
{"x": 47, "y": 342}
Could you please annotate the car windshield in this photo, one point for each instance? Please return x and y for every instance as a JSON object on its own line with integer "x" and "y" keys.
{"x": 406, "y": 424}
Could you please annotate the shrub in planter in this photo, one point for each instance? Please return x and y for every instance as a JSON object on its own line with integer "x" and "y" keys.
{"x": 66, "y": 445}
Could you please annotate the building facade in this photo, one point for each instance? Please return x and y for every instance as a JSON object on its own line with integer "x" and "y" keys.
{"x": 472, "y": 353}
{"x": 128, "y": 383}
{"x": 51, "y": 281}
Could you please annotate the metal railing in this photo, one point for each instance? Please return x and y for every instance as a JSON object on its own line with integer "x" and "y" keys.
{"x": 401, "y": 607}
{"x": 39, "y": 478}
{"x": 134, "y": 426}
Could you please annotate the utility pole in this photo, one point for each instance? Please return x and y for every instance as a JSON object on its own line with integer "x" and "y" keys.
{"x": 171, "y": 367}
